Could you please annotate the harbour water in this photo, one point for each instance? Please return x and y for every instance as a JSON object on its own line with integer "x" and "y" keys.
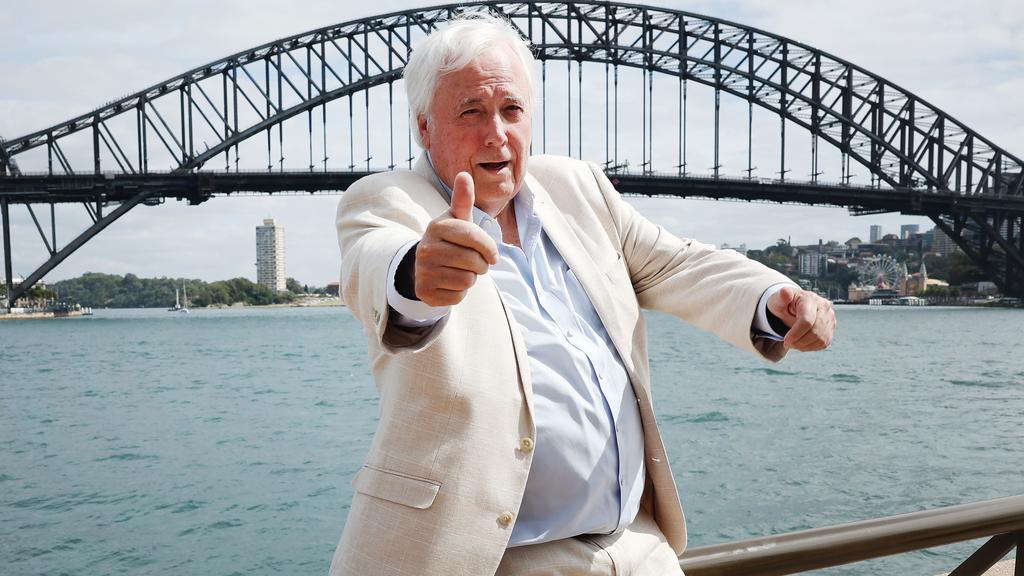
{"x": 222, "y": 442}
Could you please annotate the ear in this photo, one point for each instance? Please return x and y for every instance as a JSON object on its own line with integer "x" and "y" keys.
{"x": 421, "y": 125}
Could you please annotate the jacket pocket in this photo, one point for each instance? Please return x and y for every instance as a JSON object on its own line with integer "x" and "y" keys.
{"x": 396, "y": 487}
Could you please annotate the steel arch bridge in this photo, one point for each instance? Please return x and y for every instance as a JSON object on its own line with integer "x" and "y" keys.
{"x": 163, "y": 141}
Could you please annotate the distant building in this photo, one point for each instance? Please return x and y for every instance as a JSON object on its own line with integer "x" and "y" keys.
{"x": 982, "y": 287}
{"x": 908, "y": 230}
{"x": 742, "y": 248}
{"x": 859, "y": 292}
{"x": 810, "y": 263}
{"x": 914, "y": 283}
{"x": 334, "y": 288}
{"x": 889, "y": 240}
{"x": 942, "y": 244}
{"x": 270, "y": 255}
{"x": 987, "y": 287}
{"x": 876, "y": 233}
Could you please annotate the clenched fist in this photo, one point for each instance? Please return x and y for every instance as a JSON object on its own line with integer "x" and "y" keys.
{"x": 810, "y": 318}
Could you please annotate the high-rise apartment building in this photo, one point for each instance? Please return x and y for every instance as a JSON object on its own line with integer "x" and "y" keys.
{"x": 876, "y": 233}
{"x": 810, "y": 263}
{"x": 941, "y": 244}
{"x": 270, "y": 255}
{"x": 908, "y": 230}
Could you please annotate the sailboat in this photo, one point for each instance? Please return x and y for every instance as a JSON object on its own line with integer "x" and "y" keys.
{"x": 177, "y": 303}
{"x": 184, "y": 297}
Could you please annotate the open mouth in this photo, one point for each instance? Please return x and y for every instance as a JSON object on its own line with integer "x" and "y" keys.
{"x": 493, "y": 166}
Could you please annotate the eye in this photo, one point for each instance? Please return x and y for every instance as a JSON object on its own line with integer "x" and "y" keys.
{"x": 470, "y": 112}
{"x": 514, "y": 111}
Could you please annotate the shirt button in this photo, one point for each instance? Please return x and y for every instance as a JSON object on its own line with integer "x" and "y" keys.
{"x": 526, "y": 444}
{"x": 505, "y": 518}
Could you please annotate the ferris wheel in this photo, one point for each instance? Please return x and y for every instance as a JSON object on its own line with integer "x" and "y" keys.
{"x": 881, "y": 272}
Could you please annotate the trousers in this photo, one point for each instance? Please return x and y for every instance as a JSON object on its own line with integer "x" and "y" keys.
{"x": 639, "y": 550}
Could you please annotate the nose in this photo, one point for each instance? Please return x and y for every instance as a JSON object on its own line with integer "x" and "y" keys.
{"x": 495, "y": 134}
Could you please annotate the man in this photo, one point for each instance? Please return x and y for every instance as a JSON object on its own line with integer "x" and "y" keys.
{"x": 501, "y": 295}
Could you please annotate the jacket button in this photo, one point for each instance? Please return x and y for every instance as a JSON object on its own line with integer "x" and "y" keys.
{"x": 526, "y": 444}
{"x": 505, "y": 518}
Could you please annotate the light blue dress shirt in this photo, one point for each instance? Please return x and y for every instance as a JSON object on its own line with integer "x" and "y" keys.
{"x": 587, "y": 474}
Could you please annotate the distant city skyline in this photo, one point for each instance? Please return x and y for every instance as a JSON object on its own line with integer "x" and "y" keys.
{"x": 61, "y": 63}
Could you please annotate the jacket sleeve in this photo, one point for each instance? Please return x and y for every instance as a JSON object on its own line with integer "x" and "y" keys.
{"x": 715, "y": 290}
{"x": 375, "y": 218}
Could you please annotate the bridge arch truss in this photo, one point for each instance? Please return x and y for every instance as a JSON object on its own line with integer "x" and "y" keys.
{"x": 186, "y": 125}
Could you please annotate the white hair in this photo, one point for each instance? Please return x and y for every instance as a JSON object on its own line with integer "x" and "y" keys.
{"x": 451, "y": 48}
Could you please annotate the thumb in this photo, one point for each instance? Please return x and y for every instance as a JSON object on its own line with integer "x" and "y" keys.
{"x": 463, "y": 197}
{"x": 781, "y": 303}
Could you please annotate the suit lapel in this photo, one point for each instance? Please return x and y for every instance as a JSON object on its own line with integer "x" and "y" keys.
{"x": 565, "y": 237}
{"x": 424, "y": 169}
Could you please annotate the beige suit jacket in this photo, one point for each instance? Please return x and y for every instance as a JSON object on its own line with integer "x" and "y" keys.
{"x": 445, "y": 474}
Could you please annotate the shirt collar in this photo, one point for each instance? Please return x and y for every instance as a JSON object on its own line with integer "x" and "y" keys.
{"x": 526, "y": 218}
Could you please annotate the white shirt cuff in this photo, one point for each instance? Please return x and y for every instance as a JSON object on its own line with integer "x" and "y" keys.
{"x": 761, "y": 324}
{"x": 410, "y": 313}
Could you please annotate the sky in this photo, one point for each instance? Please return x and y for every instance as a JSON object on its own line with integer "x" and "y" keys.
{"x": 64, "y": 58}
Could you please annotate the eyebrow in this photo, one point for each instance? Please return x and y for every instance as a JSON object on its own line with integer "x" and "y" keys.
{"x": 473, "y": 101}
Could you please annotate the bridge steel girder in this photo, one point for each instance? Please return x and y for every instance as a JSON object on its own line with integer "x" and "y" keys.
{"x": 8, "y": 272}
{"x": 58, "y": 256}
{"x": 904, "y": 141}
{"x": 1005, "y": 268}
{"x": 927, "y": 145}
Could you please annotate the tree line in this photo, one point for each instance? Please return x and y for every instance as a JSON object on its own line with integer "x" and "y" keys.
{"x": 98, "y": 290}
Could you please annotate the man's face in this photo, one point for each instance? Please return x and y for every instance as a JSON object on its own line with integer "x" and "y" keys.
{"x": 480, "y": 123}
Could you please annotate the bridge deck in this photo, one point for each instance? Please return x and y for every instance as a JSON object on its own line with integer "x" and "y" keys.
{"x": 197, "y": 187}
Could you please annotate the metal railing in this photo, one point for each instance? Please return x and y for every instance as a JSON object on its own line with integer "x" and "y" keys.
{"x": 1002, "y": 519}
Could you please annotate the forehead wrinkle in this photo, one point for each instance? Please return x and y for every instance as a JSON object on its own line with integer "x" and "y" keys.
{"x": 476, "y": 100}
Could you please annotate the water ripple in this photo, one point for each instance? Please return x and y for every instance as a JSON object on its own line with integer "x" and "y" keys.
{"x": 223, "y": 524}
{"x": 977, "y": 383}
{"x": 696, "y": 418}
{"x": 128, "y": 457}
{"x": 188, "y": 506}
{"x": 768, "y": 371}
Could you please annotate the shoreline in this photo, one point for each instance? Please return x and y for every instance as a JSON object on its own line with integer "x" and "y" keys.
{"x": 44, "y": 315}
{"x": 941, "y": 304}
{"x": 331, "y": 303}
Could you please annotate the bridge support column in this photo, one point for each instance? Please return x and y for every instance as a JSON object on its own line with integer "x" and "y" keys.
{"x": 8, "y": 276}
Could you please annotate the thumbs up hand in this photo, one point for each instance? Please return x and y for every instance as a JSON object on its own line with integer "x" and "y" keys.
{"x": 463, "y": 197}
{"x": 453, "y": 250}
